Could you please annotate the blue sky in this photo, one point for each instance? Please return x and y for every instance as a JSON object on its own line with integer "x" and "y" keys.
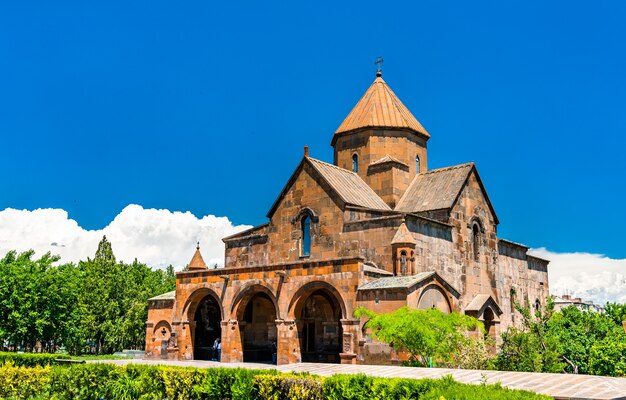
{"x": 205, "y": 106}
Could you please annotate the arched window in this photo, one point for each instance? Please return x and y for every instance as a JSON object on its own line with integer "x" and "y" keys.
{"x": 403, "y": 262}
{"x": 417, "y": 164}
{"x": 306, "y": 236}
{"x": 537, "y": 305}
{"x": 355, "y": 163}
{"x": 476, "y": 239}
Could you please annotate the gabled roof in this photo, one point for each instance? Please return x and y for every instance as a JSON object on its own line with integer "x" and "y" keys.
{"x": 407, "y": 282}
{"x": 197, "y": 262}
{"x": 380, "y": 108}
{"x": 403, "y": 236}
{"x": 397, "y": 282}
{"x": 349, "y": 186}
{"x": 387, "y": 159}
{"x": 439, "y": 189}
{"x": 482, "y": 301}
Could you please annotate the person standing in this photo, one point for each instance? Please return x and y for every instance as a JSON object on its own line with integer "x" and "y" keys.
{"x": 219, "y": 350}
{"x": 214, "y": 355}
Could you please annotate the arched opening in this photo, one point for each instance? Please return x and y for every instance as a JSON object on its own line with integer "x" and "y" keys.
{"x": 208, "y": 328}
{"x": 318, "y": 320}
{"x": 476, "y": 239}
{"x": 488, "y": 321}
{"x": 434, "y": 297}
{"x": 306, "y": 236}
{"x": 537, "y": 305}
{"x": 257, "y": 324}
{"x": 355, "y": 163}
{"x": 403, "y": 263}
{"x": 417, "y": 164}
{"x": 161, "y": 336}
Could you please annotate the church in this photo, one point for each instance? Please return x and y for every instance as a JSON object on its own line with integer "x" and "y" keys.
{"x": 374, "y": 228}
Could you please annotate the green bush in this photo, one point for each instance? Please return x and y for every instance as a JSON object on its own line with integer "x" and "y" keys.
{"x": 106, "y": 381}
{"x": 22, "y": 382}
{"x": 288, "y": 386}
{"x": 31, "y": 359}
{"x": 449, "y": 389}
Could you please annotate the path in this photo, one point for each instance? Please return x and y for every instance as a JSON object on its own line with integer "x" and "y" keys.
{"x": 559, "y": 386}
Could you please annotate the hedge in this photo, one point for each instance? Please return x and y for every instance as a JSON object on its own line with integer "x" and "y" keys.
{"x": 107, "y": 381}
{"x": 31, "y": 359}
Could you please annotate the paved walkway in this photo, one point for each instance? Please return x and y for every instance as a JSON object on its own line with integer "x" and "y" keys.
{"x": 559, "y": 386}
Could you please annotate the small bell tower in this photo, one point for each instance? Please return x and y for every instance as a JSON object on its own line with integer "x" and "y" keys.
{"x": 403, "y": 250}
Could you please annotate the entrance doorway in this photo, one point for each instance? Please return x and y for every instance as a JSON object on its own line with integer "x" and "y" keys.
{"x": 208, "y": 328}
{"x": 320, "y": 328}
{"x": 258, "y": 329}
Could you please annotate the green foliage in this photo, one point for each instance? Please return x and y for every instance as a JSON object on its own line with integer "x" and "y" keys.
{"x": 104, "y": 381}
{"x": 424, "y": 333}
{"x": 22, "y": 382}
{"x": 288, "y": 387}
{"x": 98, "y": 305}
{"x": 449, "y": 389}
{"x": 616, "y": 312}
{"x": 608, "y": 356}
{"x": 571, "y": 340}
{"x": 30, "y": 359}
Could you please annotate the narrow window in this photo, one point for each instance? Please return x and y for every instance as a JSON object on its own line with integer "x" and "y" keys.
{"x": 537, "y": 305}
{"x": 306, "y": 236}
{"x": 417, "y": 164}
{"x": 355, "y": 163}
{"x": 403, "y": 263}
{"x": 476, "y": 240}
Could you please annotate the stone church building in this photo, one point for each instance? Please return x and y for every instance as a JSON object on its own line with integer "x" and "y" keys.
{"x": 376, "y": 228}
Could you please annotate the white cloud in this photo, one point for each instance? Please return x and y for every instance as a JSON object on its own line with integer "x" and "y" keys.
{"x": 155, "y": 237}
{"x": 593, "y": 277}
{"x": 161, "y": 237}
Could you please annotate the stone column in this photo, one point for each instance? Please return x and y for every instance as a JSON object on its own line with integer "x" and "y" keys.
{"x": 288, "y": 342}
{"x": 149, "y": 339}
{"x": 232, "y": 350}
{"x": 350, "y": 340}
{"x": 185, "y": 331}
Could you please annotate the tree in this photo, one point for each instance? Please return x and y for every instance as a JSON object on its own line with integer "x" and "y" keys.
{"x": 423, "y": 333}
{"x": 532, "y": 349}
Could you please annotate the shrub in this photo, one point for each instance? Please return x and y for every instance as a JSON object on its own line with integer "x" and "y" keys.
{"x": 348, "y": 387}
{"x": 31, "y": 359}
{"x": 105, "y": 381}
{"x": 83, "y": 381}
{"x": 289, "y": 387}
{"x": 22, "y": 382}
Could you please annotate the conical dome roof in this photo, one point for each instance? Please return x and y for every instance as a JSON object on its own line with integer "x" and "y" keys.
{"x": 380, "y": 108}
{"x": 197, "y": 262}
{"x": 403, "y": 236}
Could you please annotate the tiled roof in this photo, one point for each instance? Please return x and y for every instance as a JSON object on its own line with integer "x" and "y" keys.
{"x": 165, "y": 296}
{"x": 349, "y": 186}
{"x": 403, "y": 235}
{"x": 396, "y": 282}
{"x": 197, "y": 262}
{"x": 380, "y": 107}
{"x": 435, "y": 189}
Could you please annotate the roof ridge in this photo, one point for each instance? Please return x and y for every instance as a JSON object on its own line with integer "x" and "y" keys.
{"x": 471, "y": 163}
{"x": 333, "y": 165}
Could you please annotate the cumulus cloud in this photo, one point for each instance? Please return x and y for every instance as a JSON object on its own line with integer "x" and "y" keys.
{"x": 156, "y": 237}
{"x": 593, "y": 277}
